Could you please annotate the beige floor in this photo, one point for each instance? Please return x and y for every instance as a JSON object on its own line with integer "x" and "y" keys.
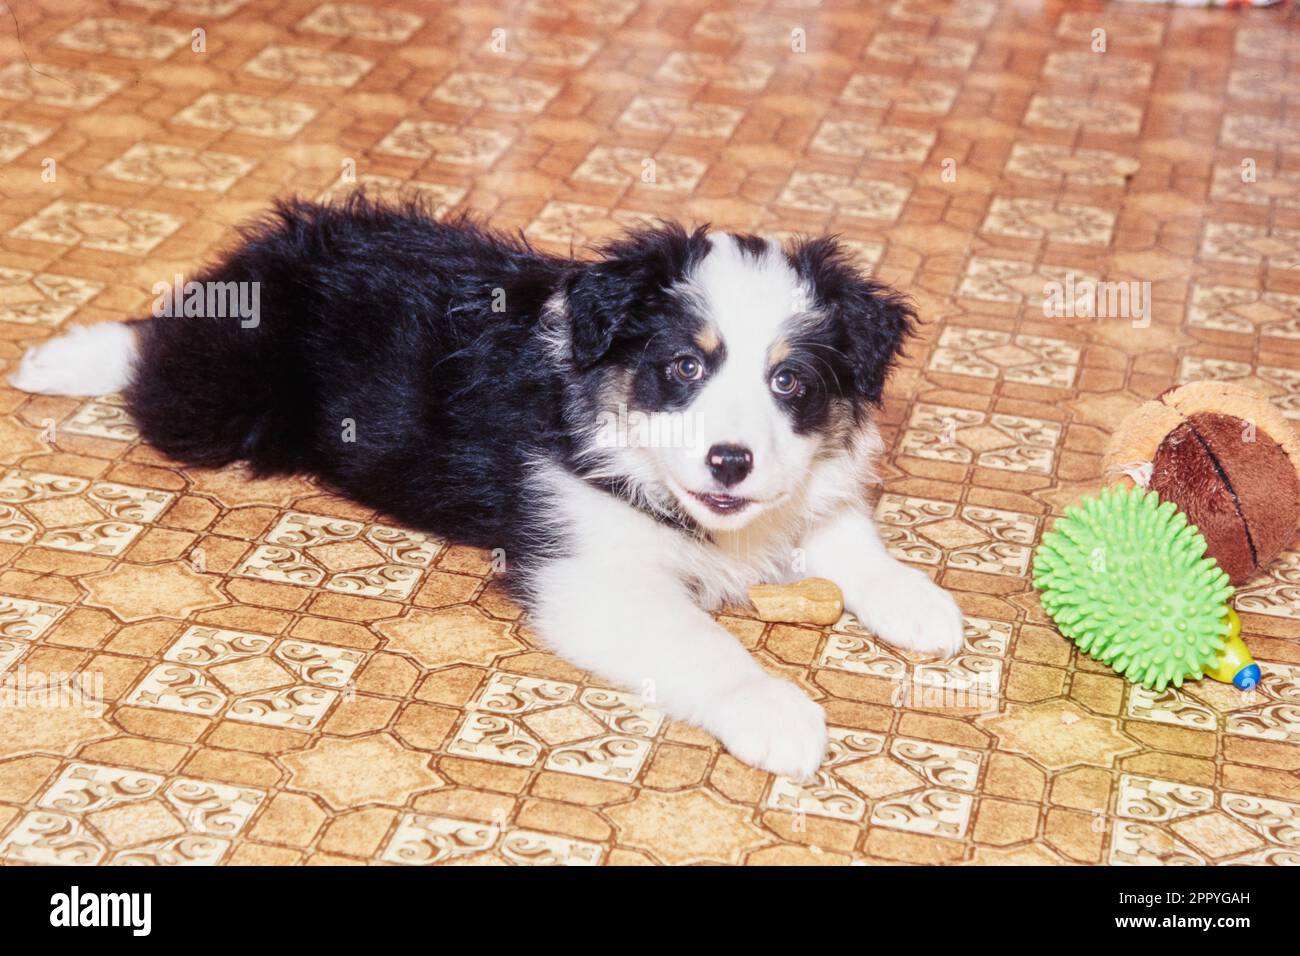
{"x": 289, "y": 680}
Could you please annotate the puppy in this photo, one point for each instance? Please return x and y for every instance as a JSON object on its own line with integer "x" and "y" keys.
{"x": 640, "y": 437}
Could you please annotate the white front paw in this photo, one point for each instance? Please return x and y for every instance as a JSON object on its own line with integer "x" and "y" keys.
{"x": 908, "y": 610}
{"x": 771, "y": 724}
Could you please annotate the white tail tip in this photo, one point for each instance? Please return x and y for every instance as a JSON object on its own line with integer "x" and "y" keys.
{"x": 86, "y": 360}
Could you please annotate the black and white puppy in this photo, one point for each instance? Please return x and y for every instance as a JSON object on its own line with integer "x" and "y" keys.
{"x": 645, "y": 435}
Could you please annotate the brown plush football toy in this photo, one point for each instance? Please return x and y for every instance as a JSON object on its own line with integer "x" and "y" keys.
{"x": 1229, "y": 461}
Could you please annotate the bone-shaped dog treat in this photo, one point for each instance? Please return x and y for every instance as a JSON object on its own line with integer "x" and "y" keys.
{"x": 810, "y": 601}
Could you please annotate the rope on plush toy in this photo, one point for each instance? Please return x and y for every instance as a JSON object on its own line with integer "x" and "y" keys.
{"x": 1139, "y": 472}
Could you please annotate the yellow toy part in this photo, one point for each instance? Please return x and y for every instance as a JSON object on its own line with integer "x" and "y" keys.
{"x": 1234, "y": 664}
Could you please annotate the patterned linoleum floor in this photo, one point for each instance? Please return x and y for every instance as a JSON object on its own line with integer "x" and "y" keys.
{"x": 287, "y": 679}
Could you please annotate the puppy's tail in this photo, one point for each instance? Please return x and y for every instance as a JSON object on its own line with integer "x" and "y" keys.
{"x": 86, "y": 360}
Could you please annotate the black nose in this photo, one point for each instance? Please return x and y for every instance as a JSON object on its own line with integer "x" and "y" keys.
{"x": 730, "y": 463}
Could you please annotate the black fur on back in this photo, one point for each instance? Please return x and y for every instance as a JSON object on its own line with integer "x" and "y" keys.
{"x": 382, "y": 317}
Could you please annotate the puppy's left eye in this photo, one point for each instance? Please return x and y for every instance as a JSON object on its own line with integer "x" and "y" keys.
{"x": 784, "y": 383}
{"x": 687, "y": 368}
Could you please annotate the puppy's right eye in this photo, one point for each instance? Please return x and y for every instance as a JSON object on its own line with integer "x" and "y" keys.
{"x": 686, "y": 368}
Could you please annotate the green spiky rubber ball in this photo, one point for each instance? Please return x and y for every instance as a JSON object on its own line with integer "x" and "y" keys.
{"x": 1124, "y": 576}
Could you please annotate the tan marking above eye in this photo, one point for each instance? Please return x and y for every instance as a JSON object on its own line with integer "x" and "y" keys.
{"x": 707, "y": 338}
{"x": 778, "y": 352}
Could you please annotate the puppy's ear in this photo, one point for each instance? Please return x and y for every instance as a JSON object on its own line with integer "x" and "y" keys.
{"x": 617, "y": 295}
{"x": 872, "y": 321}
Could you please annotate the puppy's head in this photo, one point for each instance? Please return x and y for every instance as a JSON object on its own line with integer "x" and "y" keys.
{"x": 721, "y": 366}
